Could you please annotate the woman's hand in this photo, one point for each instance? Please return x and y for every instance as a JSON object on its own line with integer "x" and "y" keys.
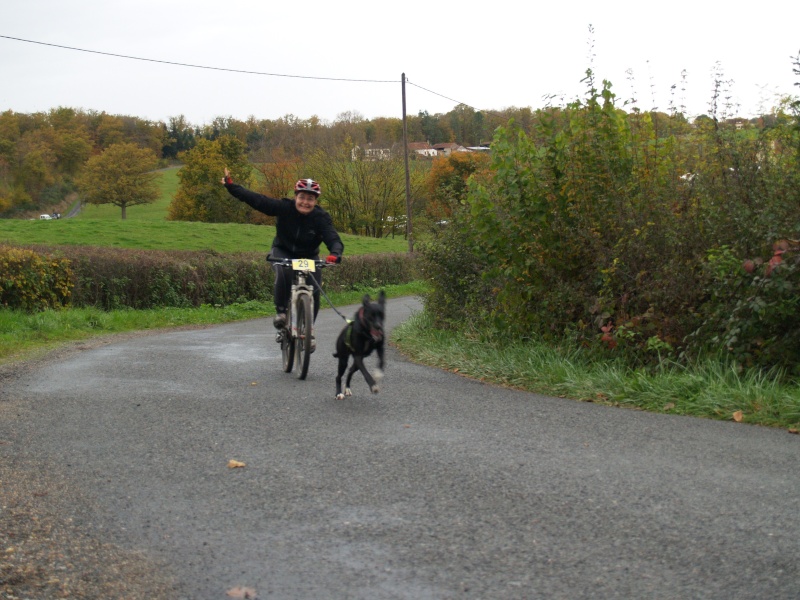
{"x": 227, "y": 178}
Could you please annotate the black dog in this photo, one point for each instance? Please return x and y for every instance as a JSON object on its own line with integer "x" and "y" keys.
{"x": 360, "y": 337}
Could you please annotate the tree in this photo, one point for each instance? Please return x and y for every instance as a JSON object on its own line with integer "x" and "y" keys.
{"x": 365, "y": 197}
{"x": 446, "y": 182}
{"x": 122, "y": 175}
{"x": 179, "y": 137}
{"x": 200, "y": 196}
{"x": 109, "y": 130}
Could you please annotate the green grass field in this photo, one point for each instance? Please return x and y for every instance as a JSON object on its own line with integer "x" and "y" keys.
{"x": 146, "y": 227}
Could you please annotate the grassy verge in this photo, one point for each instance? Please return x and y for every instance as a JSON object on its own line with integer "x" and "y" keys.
{"x": 25, "y": 336}
{"x": 709, "y": 389}
{"x": 169, "y": 235}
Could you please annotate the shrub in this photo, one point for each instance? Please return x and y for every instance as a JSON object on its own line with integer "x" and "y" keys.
{"x": 595, "y": 227}
{"x": 454, "y": 267}
{"x": 33, "y": 281}
{"x": 111, "y": 278}
{"x": 753, "y": 308}
{"x": 371, "y": 271}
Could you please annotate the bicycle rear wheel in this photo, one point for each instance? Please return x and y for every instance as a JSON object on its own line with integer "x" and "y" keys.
{"x": 305, "y": 320}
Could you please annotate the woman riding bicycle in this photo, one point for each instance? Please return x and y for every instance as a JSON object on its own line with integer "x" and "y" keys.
{"x": 300, "y": 227}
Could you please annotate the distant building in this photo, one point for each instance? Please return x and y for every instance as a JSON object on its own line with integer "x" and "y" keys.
{"x": 422, "y": 148}
{"x": 370, "y": 152}
{"x": 447, "y": 148}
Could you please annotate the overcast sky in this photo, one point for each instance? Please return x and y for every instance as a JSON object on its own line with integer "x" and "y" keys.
{"x": 488, "y": 55}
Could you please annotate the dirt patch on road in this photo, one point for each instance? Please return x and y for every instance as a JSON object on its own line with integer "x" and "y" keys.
{"x": 44, "y": 552}
{"x": 44, "y": 555}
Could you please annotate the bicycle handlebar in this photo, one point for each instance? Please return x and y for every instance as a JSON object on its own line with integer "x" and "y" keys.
{"x": 287, "y": 262}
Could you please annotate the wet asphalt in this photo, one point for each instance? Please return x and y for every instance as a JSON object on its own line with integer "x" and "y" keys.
{"x": 438, "y": 487}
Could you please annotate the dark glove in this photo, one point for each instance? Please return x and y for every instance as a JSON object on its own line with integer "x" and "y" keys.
{"x": 333, "y": 259}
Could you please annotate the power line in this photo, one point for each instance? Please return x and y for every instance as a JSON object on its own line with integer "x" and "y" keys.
{"x": 438, "y": 94}
{"x": 229, "y": 70}
{"x": 451, "y": 99}
{"x": 178, "y": 64}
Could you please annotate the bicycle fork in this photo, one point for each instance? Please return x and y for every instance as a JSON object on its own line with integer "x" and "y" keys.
{"x": 299, "y": 289}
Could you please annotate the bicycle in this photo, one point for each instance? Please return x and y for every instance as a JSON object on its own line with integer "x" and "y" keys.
{"x": 295, "y": 337}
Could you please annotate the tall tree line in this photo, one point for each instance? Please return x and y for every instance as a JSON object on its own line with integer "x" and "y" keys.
{"x": 42, "y": 154}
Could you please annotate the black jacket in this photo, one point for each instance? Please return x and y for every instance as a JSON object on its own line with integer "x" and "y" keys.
{"x": 298, "y": 234}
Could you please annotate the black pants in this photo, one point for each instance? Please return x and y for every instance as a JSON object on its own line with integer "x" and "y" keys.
{"x": 283, "y": 283}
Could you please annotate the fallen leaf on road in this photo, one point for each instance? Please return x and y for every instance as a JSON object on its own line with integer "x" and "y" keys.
{"x": 241, "y": 592}
{"x": 794, "y": 430}
{"x": 254, "y": 383}
{"x": 235, "y": 464}
{"x": 738, "y": 416}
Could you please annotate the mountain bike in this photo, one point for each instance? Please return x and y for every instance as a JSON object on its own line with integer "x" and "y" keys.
{"x": 295, "y": 337}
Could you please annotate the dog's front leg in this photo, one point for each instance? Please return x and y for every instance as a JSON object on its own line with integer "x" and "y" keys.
{"x": 379, "y": 370}
{"x": 353, "y": 369}
{"x": 359, "y": 363}
{"x": 342, "y": 369}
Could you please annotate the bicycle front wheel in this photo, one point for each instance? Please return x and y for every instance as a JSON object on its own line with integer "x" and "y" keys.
{"x": 305, "y": 320}
{"x": 287, "y": 346}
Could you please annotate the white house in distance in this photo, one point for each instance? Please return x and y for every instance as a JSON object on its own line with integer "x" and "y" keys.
{"x": 422, "y": 148}
{"x": 447, "y": 148}
{"x": 375, "y": 152}
{"x": 370, "y": 152}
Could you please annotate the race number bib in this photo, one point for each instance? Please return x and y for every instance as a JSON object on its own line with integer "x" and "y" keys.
{"x": 303, "y": 264}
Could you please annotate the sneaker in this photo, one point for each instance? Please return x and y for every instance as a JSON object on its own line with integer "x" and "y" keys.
{"x": 279, "y": 321}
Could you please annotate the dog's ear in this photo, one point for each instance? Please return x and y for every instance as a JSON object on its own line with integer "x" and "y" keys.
{"x": 366, "y": 299}
{"x": 382, "y": 298}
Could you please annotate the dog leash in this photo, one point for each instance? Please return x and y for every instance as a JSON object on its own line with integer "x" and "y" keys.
{"x": 319, "y": 287}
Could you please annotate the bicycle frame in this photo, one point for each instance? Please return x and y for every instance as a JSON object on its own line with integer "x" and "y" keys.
{"x": 296, "y": 338}
{"x": 302, "y": 268}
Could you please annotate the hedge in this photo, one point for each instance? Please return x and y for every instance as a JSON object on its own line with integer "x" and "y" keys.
{"x": 111, "y": 278}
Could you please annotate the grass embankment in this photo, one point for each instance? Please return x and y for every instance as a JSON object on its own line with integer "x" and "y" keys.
{"x": 168, "y": 235}
{"x": 29, "y": 335}
{"x": 709, "y": 389}
{"x": 146, "y": 227}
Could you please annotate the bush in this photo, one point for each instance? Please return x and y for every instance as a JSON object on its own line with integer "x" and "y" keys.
{"x": 33, "y": 281}
{"x": 374, "y": 270}
{"x": 594, "y": 229}
{"x": 454, "y": 267}
{"x": 111, "y": 278}
{"x": 753, "y": 310}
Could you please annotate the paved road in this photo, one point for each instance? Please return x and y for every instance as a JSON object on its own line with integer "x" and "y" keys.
{"x": 439, "y": 487}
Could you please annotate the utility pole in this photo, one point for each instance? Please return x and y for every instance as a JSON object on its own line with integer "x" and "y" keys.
{"x": 409, "y": 230}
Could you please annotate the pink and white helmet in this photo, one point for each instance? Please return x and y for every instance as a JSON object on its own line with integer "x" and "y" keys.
{"x": 307, "y": 185}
